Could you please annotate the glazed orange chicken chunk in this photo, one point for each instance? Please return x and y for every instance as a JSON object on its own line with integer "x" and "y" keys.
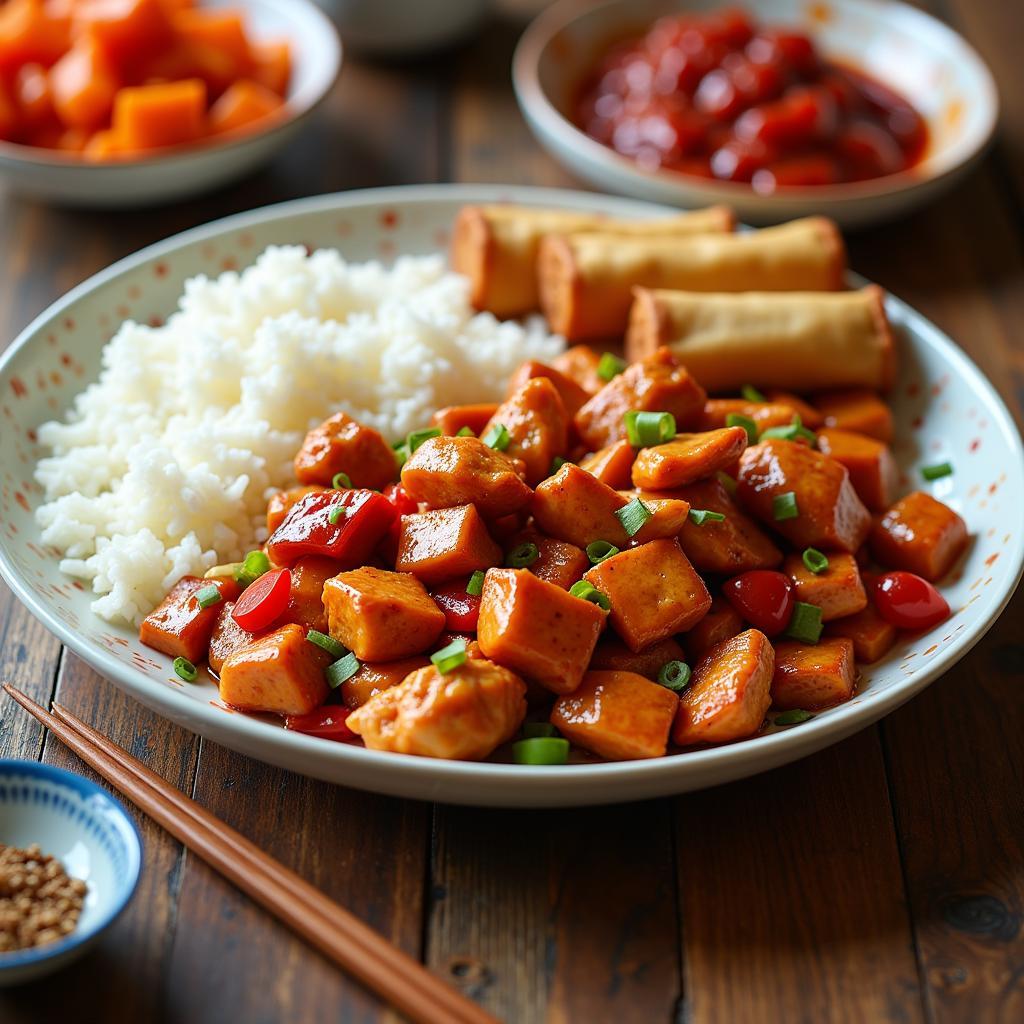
{"x": 688, "y": 457}
{"x": 813, "y": 676}
{"x": 920, "y": 535}
{"x": 537, "y": 424}
{"x": 464, "y": 713}
{"x": 179, "y": 626}
{"x": 444, "y": 543}
{"x": 344, "y": 445}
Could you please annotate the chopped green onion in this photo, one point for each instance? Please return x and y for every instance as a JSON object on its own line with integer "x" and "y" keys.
{"x": 536, "y": 730}
{"x": 586, "y": 591}
{"x": 805, "y": 624}
{"x": 728, "y": 482}
{"x": 633, "y": 516}
{"x": 208, "y": 596}
{"x": 556, "y": 464}
{"x": 600, "y": 550}
{"x": 675, "y": 675}
{"x": 464, "y": 432}
{"x": 735, "y": 419}
{"x": 253, "y": 566}
{"x": 497, "y": 437}
{"x": 417, "y": 437}
{"x": 937, "y": 471}
{"x": 450, "y": 657}
{"x": 475, "y": 586}
{"x": 700, "y": 516}
{"x": 342, "y": 669}
{"x": 341, "y": 482}
{"x": 328, "y": 643}
{"x": 784, "y": 506}
{"x": 184, "y": 669}
{"x": 541, "y": 750}
{"x": 794, "y": 717}
{"x": 791, "y": 432}
{"x": 401, "y": 454}
{"x": 647, "y": 429}
{"x": 751, "y": 394}
{"x": 522, "y": 555}
{"x": 336, "y": 514}
{"x": 815, "y": 560}
{"x": 610, "y": 365}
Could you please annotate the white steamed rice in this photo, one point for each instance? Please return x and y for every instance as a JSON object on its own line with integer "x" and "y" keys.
{"x": 164, "y": 465}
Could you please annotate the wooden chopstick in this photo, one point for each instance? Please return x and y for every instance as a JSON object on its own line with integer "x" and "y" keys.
{"x": 353, "y": 945}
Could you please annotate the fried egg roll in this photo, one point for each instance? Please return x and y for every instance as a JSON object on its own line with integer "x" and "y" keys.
{"x": 496, "y": 246}
{"x": 801, "y": 341}
{"x": 587, "y": 279}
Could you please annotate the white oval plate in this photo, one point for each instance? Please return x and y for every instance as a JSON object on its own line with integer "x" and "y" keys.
{"x": 945, "y": 409}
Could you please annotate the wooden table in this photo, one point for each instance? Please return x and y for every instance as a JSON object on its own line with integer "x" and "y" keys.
{"x": 881, "y": 880}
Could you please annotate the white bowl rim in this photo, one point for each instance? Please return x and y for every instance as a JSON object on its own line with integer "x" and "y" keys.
{"x": 505, "y": 781}
{"x": 85, "y": 787}
{"x": 933, "y": 168}
{"x": 308, "y": 101}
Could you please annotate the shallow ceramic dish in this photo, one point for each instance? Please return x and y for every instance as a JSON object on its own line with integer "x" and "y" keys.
{"x": 67, "y": 178}
{"x": 59, "y": 353}
{"x": 918, "y": 56}
{"x": 86, "y": 829}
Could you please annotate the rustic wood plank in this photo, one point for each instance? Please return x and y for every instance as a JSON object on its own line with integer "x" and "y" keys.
{"x": 792, "y": 896}
{"x": 557, "y": 915}
{"x": 366, "y": 852}
{"x": 120, "y": 981}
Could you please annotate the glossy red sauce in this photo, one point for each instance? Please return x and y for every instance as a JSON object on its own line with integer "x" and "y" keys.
{"x": 718, "y": 96}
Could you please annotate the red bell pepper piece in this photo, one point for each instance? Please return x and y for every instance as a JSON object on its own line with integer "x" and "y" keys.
{"x": 399, "y": 497}
{"x": 461, "y": 610}
{"x": 327, "y": 722}
{"x": 263, "y": 602}
{"x": 362, "y": 517}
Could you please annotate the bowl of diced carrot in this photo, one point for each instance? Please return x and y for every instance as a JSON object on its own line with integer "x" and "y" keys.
{"x": 127, "y": 102}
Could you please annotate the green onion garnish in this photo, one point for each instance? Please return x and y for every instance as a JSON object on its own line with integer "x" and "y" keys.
{"x": 184, "y": 669}
{"x": 401, "y": 454}
{"x": 633, "y": 516}
{"x": 675, "y": 675}
{"x": 497, "y": 437}
{"x": 600, "y": 550}
{"x": 735, "y": 419}
{"x": 791, "y": 432}
{"x": 336, "y": 514}
{"x": 254, "y": 565}
{"x": 522, "y": 555}
{"x": 450, "y": 657}
{"x": 751, "y": 394}
{"x": 341, "y": 482}
{"x": 541, "y": 750}
{"x": 208, "y": 596}
{"x": 700, "y": 516}
{"x": 342, "y": 669}
{"x": 806, "y": 623}
{"x": 328, "y": 643}
{"x": 784, "y": 506}
{"x": 937, "y": 471}
{"x": 464, "y": 432}
{"x": 794, "y": 717}
{"x": 475, "y": 586}
{"x": 610, "y": 365}
{"x": 647, "y": 429}
{"x": 535, "y": 730}
{"x": 815, "y": 560}
{"x": 556, "y": 464}
{"x": 586, "y": 591}
{"x": 417, "y": 437}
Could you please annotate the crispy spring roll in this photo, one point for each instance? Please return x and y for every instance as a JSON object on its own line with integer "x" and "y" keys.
{"x": 803, "y": 341}
{"x": 496, "y": 246}
{"x": 587, "y": 279}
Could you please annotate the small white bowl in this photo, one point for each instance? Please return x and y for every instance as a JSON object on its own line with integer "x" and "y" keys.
{"x": 922, "y": 59}
{"x": 72, "y": 180}
{"x": 89, "y": 832}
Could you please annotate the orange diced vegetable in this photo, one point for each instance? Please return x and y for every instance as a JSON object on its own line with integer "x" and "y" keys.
{"x": 444, "y": 543}
{"x": 103, "y": 145}
{"x": 217, "y": 44}
{"x": 535, "y": 628}
{"x": 919, "y": 534}
{"x": 872, "y": 635}
{"x": 374, "y": 677}
{"x": 611, "y": 654}
{"x": 611, "y": 465}
{"x": 241, "y": 105}
{"x": 272, "y": 64}
{"x": 280, "y": 672}
{"x": 83, "y": 85}
{"x": 838, "y": 591}
{"x": 154, "y": 116}
{"x": 178, "y": 626}
{"x": 572, "y": 395}
{"x": 653, "y": 590}
{"x": 127, "y": 30}
{"x": 10, "y": 119}
{"x": 812, "y": 676}
{"x": 859, "y": 410}
{"x": 537, "y": 425}
{"x": 454, "y": 417}
{"x": 617, "y": 715}
{"x": 721, "y": 623}
{"x": 580, "y": 363}
{"x": 343, "y": 445}
{"x": 729, "y": 693}
{"x": 32, "y": 86}
{"x": 688, "y": 457}
{"x": 869, "y": 462}
{"x": 30, "y": 32}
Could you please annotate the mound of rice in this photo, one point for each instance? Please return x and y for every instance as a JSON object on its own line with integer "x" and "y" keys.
{"x": 164, "y": 465}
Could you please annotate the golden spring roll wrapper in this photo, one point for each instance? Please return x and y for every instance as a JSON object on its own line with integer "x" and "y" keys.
{"x": 800, "y": 341}
{"x": 496, "y": 246}
{"x": 587, "y": 279}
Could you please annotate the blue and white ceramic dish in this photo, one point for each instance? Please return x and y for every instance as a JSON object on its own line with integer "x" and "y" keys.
{"x": 91, "y": 834}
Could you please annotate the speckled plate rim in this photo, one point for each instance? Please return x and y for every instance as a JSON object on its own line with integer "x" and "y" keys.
{"x": 502, "y": 784}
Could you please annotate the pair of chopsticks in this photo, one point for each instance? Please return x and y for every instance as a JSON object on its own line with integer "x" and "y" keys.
{"x": 395, "y": 976}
